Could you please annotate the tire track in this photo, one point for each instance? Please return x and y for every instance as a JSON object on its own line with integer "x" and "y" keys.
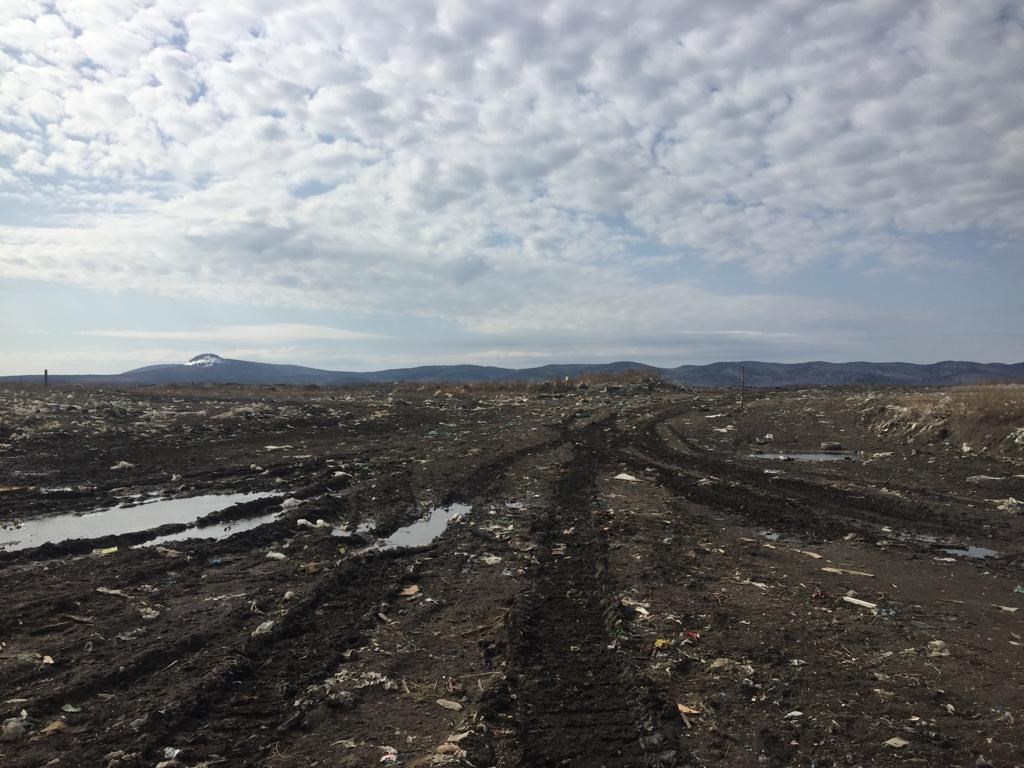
{"x": 576, "y": 702}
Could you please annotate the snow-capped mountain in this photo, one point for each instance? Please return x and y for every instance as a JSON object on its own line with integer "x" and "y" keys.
{"x": 205, "y": 360}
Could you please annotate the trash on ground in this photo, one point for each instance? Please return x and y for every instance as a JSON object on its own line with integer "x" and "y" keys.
{"x": 114, "y": 592}
{"x": 937, "y": 648}
{"x": 847, "y": 572}
{"x": 263, "y": 628}
{"x": 858, "y": 601}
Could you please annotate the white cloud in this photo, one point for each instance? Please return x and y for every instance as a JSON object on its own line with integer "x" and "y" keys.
{"x": 262, "y": 333}
{"x": 504, "y": 167}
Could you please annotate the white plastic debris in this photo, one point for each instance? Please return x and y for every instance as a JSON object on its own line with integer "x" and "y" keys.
{"x": 276, "y": 555}
{"x": 627, "y": 477}
{"x": 123, "y": 465}
{"x": 263, "y": 628}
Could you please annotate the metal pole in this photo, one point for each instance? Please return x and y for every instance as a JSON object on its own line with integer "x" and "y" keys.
{"x": 46, "y": 377}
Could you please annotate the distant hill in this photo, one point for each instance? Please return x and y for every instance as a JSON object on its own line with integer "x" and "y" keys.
{"x": 789, "y": 374}
{"x": 209, "y": 368}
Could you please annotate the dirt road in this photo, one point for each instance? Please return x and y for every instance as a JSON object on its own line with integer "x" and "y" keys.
{"x": 620, "y": 576}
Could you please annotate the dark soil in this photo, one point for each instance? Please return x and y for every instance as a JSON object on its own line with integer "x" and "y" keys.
{"x": 690, "y": 612}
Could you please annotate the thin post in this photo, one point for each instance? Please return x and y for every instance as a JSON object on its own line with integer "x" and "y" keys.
{"x": 743, "y": 382}
{"x": 46, "y": 377}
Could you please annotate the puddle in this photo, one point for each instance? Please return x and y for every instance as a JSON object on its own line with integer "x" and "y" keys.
{"x": 217, "y": 531}
{"x": 975, "y": 553}
{"x": 424, "y": 531}
{"x": 118, "y": 520}
{"x": 806, "y": 456}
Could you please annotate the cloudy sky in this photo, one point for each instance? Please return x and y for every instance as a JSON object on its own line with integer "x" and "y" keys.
{"x": 353, "y": 187}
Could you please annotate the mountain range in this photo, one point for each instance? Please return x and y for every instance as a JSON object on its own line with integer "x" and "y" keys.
{"x": 209, "y": 368}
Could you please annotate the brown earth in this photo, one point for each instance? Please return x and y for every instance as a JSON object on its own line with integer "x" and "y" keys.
{"x": 690, "y": 614}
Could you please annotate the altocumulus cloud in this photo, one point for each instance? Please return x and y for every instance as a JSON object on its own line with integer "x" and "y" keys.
{"x": 505, "y": 167}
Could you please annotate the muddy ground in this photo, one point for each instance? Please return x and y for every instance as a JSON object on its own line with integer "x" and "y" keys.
{"x": 628, "y": 584}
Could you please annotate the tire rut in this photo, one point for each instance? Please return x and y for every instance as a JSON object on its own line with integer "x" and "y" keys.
{"x": 576, "y": 702}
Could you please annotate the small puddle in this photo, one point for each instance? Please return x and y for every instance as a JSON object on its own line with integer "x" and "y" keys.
{"x": 118, "y": 520}
{"x": 975, "y": 553}
{"x": 806, "y": 456}
{"x": 217, "y": 531}
{"x": 424, "y": 531}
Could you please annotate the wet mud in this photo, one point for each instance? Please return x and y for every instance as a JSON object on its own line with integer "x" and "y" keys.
{"x": 609, "y": 576}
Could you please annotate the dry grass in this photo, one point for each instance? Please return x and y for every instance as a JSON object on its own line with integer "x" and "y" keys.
{"x": 981, "y": 416}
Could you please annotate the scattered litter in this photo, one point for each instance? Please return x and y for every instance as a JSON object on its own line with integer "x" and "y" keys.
{"x": 276, "y": 555}
{"x": 857, "y": 601}
{"x": 168, "y": 554}
{"x": 449, "y": 704}
{"x": 148, "y": 613}
{"x": 810, "y": 554}
{"x": 847, "y": 572}
{"x": 1006, "y": 608}
{"x": 794, "y": 714}
{"x": 55, "y": 727}
{"x": 937, "y": 648}
{"x": 896, "y": 742}
{"x": 759, "y": 584}
{"x": 490, "y": 559}
{"x": 412, "y": 589}
{"x": 291, "y": 503}
{"x": 1011, "y": 505}
{"x": 983, "y": 479}
{"x": 390, "y": 755}
{"x": 685, "y": 710}
{"x": 123, "y": 465}
{"x": 263, "y": 628}
{"x": 114, "y": 592}
{"x": 627, "y": 477}
{"x": 104, "y": 551}
{"x": 12, "y": 730}
{"x": 731, "y": 666}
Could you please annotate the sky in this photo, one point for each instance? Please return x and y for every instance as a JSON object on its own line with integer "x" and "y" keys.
{"x": 359, "y": 186}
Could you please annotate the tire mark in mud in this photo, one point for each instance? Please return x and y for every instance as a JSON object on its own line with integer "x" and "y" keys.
{"x": 792, "y": 503}
{"x": 576, "y": 702}
{"x": 253, "y": 694}
{"x": 241, "y": 710}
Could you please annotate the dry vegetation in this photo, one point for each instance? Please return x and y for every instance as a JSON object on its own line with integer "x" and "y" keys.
{"x": 974, "y": 418}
